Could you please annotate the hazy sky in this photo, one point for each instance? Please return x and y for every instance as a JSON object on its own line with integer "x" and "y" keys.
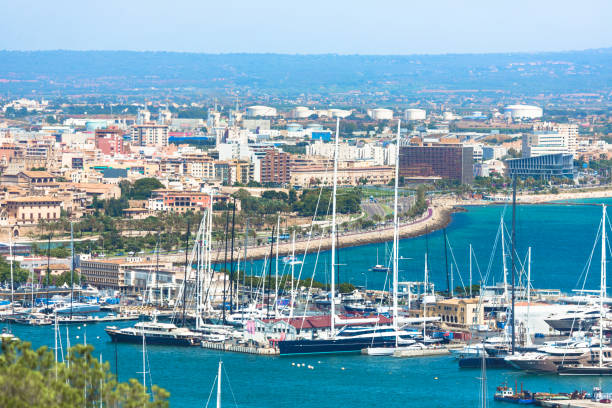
{"x": 307, "y": 26}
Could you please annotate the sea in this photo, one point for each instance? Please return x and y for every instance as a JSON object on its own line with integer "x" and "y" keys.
{"x": 561, "y": 236}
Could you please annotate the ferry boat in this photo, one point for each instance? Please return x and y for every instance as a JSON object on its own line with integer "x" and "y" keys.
{"x": 154, "y": 333}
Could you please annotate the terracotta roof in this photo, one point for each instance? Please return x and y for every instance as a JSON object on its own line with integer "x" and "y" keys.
{"x": 33, "y": 199}
{"x": 37, "y": 174}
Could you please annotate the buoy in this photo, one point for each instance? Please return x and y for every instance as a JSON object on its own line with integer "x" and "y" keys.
{"x": 342, "y": 368}
{"x": 79, "y": 327}
{"x": 319, "y": 362}
{"x": 293, "y": 364}
{"x": 77, "y": 337}
{"x": 435, "y": 378}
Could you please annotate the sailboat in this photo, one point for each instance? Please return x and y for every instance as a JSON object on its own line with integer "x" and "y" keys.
{"x": 349, "y": 338}
{"x": 379, "y": 267}
{"x": 598, "y": 361}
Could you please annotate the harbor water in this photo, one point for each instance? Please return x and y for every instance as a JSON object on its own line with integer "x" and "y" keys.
{"x": 561, "y": 237}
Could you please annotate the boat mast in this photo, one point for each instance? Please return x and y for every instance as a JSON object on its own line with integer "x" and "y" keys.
{"x": 276, "y": 267}
{"x": 11, "y": 267}
{"x": 48, "y": 267}
{"x": 333, "y": 233}
{"x": 144, "y": 362}
{"x": 71, "y": 268}
{"x": 209, "y": 271}
{"x": 528, "y": 338}
{"x": 231, "y": 277}
{"x": 225, "y": 265}
{"x": 504, "y": 268}
{"x": 513, "y": 249}
{"x": 269, "y": 273}
{"x": 603, "y": 282}
{"x": 292, "y": 273}
{"x": 219, "y": 385}
{"x": 448, "y": 290}
{"x": 396, "y": 238}
{"x": 186, "y": 266}
{"x": 470, "y": 270}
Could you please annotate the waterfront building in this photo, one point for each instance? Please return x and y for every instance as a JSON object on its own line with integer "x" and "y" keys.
{"x": 460, "y": 313}
{"x": 542, "y": 167}
{"x": 451, "y": 161}
{"x": 124, "y": 276}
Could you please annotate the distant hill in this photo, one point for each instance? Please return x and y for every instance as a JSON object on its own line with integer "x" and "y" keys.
{"x": 125, "y": 72}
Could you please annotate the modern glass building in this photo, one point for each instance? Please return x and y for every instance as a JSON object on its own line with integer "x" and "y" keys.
{"x": 542, "y": 167}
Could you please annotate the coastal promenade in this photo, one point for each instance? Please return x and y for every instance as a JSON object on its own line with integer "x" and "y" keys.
{"x": 437, "y": 216}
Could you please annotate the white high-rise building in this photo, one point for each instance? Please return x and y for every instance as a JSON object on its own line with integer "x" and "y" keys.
{"x": 550, "y": 138}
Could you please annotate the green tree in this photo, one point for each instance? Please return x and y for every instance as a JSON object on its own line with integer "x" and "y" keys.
{"x": 20, "y": 275}
{"x": 32, "y": 378}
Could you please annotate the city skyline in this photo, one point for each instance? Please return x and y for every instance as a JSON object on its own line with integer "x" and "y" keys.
{"x": 271, "y": 26}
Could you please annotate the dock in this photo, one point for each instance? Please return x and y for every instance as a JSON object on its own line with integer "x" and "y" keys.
{"x": 577, "y": 403}
{"x": 262, "y": 351}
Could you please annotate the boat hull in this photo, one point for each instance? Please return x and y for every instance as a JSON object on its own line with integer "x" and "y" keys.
{"x": 476, "y": 362}
{"x": 332, "y": 346}
{"x": 521, "y": 401}
{"x": 594, "y": 370}
{"x": 119, "y": 337}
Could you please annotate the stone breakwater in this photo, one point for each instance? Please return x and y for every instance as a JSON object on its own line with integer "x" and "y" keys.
{"x": 436, "y": 217}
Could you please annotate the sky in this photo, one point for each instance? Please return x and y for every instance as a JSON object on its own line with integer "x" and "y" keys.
{"x": 307, "y": 26}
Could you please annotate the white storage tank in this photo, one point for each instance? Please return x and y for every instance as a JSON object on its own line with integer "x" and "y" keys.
{"x": 415, "y": 114}
{"x": 523, "y": 112}
{"x": 380, "y": 114}
{"x": 301, "y": 112}
{"x": 259, "y": 110}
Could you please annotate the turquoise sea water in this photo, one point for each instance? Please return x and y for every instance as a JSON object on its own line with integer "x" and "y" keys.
{"x": 561, "y": 238}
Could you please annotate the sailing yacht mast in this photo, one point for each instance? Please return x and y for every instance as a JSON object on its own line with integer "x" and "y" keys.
{"x": 12, "y": 281}
{"x": 276, "y": 267}
{"x": 292, "y": 274}
{"x": 503, "y": 248}
{"x": 71, "y": 268}
{"x": 602, "y": 293}
{"x": 396, "y": 236}
{"x": 333, "y": 234}
{"x": 219, "y": 385}
{"x": 513, "y": 266}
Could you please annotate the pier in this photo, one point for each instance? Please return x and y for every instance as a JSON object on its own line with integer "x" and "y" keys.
{"x": 584, "y": 403}
{"x": 262, "y": 351}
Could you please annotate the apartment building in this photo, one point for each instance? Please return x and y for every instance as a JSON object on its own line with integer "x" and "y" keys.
{"x": 150, "y": 134}
{"x": 310, "y": 176}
